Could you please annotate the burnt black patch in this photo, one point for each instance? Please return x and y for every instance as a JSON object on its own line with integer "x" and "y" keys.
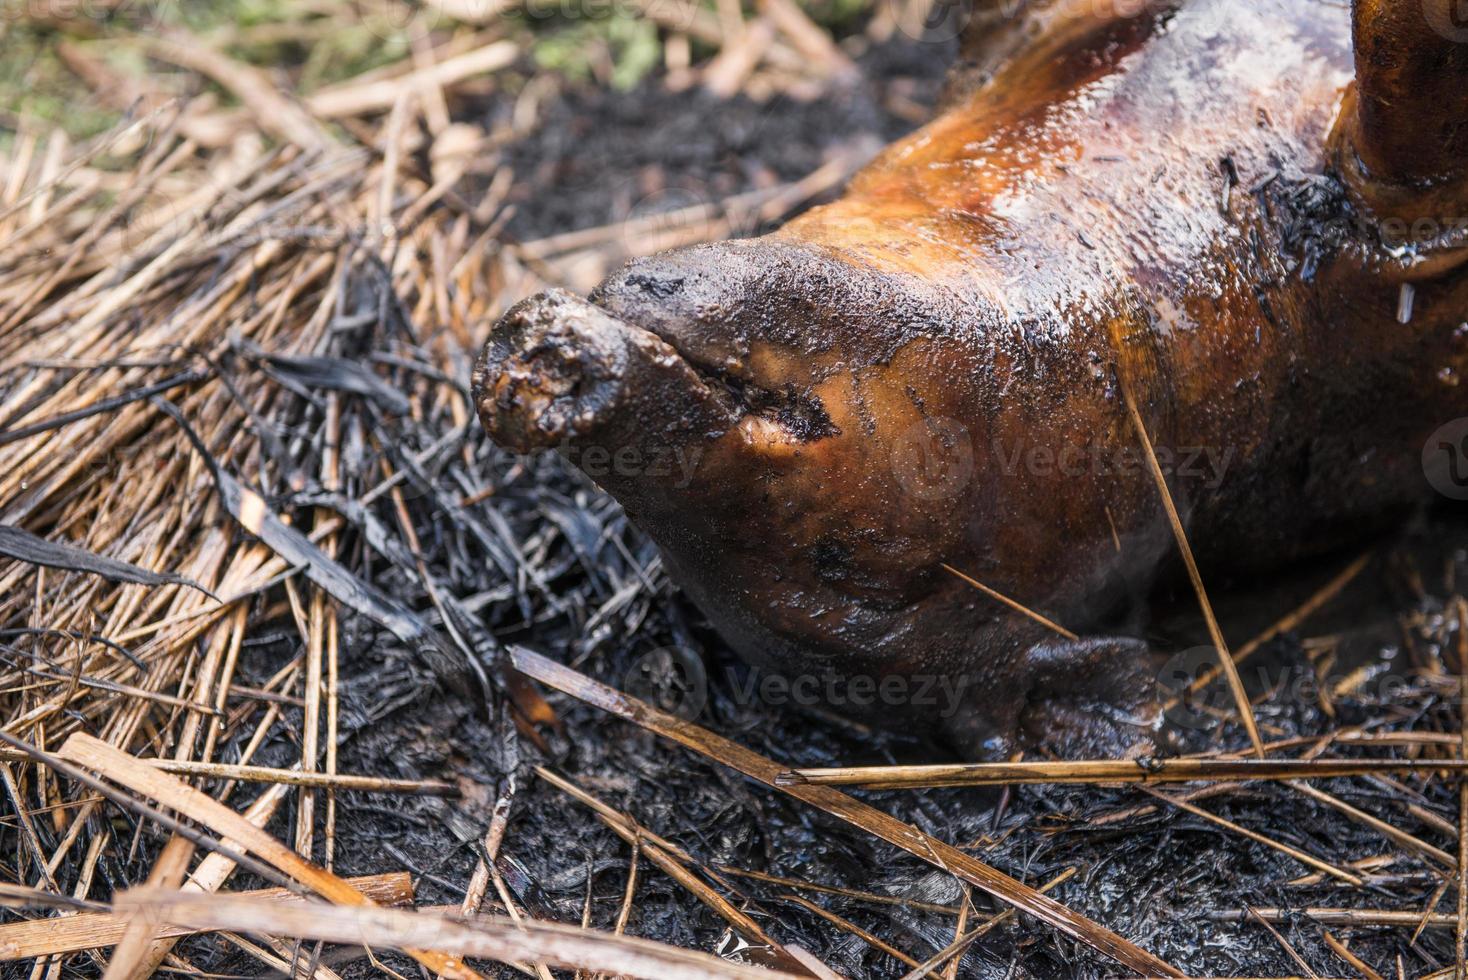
{"x": 800, "y": 412}
{"x": 805, "y": 416}
{"x": 658, "y": 288}
{"x": 1311, "y": 218}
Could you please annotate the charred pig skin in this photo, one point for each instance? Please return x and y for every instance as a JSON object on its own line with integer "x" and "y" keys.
{"x": 1238, "y": 215}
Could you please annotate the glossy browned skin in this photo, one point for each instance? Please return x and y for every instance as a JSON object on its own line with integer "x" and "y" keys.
{"x": 1168, "y": 204}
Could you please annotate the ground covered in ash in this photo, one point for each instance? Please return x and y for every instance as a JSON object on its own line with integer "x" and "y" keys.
{"x": 589, "y": 590}
{"x": 1155, "y": 875}
{"x": 598, "y": 154}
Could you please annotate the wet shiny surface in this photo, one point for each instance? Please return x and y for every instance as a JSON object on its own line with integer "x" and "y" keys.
{"x": 930, "y": 369}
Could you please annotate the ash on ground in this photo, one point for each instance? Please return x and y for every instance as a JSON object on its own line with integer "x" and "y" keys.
{"x": 581, "y": 585}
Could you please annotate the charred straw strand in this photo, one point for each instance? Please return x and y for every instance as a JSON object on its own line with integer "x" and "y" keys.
{"x": 1341, "y": 917}
{"x": 843, "y": 807}
{"x": 960, "y": 928}
{"x": 677, "y": 864}
{"x": 65, "y": 768}
{"x": 1226, "y": 660}
{"x": 952, "y": 952}
{"x": 846, "y": 893}
{"x": 294, "y": 777}
{"x": 169, "y": 791}
{"x": 1460, "y": 932}
{"x": 1344, "y": 952}
{"x": 1290, "y": 621}
{"x": 1285, "y": 945}
{"x": 490, "y": 937}
{"x": 1145, "y": 771}
{"x": 1307, "y": 859}
{"x": 847, "y": 926}
{"x": 1396, "y": 834}
{"x": 1017, "y": 606}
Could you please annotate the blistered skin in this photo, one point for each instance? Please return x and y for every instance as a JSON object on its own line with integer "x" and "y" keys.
{"x": 934, "y": 369}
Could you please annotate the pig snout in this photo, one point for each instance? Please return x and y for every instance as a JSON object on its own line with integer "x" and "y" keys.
{"x": 560, "y": 372}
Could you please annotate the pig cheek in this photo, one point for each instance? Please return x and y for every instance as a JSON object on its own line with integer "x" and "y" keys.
{"x": 868, "y": 511}
{"x": 871, "y": 512}
{"x": 924, "y": 455}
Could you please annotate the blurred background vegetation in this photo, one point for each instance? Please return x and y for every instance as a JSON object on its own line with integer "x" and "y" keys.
{"x": 310, "y": 44}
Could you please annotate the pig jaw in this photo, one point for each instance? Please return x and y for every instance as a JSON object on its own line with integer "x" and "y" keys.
{"x": 771, "y": 425}
{"x": 811, "y": 483}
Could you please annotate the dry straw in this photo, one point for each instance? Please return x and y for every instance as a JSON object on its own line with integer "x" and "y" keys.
{"x": 233, "y": 349}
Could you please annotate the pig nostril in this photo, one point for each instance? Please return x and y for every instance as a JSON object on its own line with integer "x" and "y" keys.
{"x": 560, "y": 371}
{"x": 546, "y": 374}
{"x": 538, "y": 400}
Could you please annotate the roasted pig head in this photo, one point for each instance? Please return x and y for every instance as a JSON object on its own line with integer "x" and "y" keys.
{"x": 1197, "y": 221}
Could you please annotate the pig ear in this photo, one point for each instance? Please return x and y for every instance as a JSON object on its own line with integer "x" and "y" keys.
{"x": 1403, "y": 132}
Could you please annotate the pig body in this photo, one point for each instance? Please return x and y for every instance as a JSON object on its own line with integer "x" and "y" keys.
{"x": 1183, "y": 207}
